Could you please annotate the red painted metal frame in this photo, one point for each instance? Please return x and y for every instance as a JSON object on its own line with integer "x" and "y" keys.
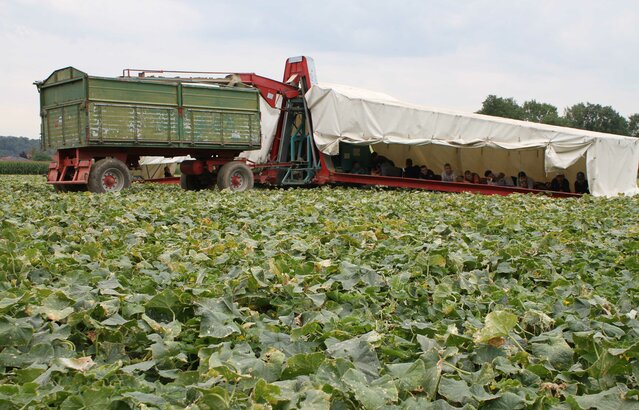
{"x": 269, "y": 89}
{"x": 72, "y": 166}
{"x": 394, "y": 182}
{"x": 296, "y": 72}
{"x": 336, "y": 177}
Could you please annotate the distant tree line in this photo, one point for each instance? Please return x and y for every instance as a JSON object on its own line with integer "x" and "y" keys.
{"x": 22, "y": 147}
{"x": 586, "y": 116}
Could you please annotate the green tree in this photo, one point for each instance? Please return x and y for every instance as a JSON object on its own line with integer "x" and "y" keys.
{"x": 501, "y": 107}
{"x": 13, "y": 146}
{"x": 595, "y": 117}
{"x": 541, "y": 112}
{"x": 40, "y": 156}
{"x": 633, "y": 125}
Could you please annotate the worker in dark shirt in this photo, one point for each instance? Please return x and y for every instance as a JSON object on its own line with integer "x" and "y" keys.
{"x": 524, "y": 181}
{"x": 560, "y": 184}
{"x": 581, "y": 184}
{"x": 377, "y": 160}
{"x": 390, "y": 170}
{"x": 425, "y": 173}
{"x": 411, "y": 171}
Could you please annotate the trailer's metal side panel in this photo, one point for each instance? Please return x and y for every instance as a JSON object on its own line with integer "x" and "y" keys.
{"x": 225, "y": 117}
{"x": 70, "y": 91}
{"x": 223, "y": 128}
{"x": 62, "y": 75}
{"x": 80, "y": 111}
{"x": 132, "y": 123}
{"x": 65, "y": 125}
{"x": 217, "y": 98}
{"x": 132, "y": 111}
{"x": 62, "y": 98}
{"x": 133, "y": 92}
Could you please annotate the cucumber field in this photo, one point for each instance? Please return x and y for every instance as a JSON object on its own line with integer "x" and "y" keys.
{"x": 323, "y": 298}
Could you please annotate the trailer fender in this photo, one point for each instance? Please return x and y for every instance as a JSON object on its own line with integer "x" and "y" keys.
{"x": 194, "y": 167}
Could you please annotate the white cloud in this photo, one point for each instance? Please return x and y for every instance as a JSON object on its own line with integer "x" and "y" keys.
{"x": 439, "y": 53}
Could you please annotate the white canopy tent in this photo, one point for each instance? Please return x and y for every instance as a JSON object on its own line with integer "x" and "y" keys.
{"x": 153, "y": 167}
{"x": 356, "y": 116}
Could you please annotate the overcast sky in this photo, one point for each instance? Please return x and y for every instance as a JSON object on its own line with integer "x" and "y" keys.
{"x": 448, "y": 54}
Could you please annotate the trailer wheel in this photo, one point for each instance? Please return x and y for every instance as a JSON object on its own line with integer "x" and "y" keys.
{"x": 108, "y": 175}
{"x": 235, "y": 176}
{"x": 189, "y": 182}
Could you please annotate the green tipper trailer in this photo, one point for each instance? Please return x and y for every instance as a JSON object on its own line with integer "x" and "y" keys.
{"x": 101, "y": 126}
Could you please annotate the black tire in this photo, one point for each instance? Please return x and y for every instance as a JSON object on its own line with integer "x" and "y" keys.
{"x": 186, "y": 182}
{"x": 109, "y": 175}
{"x": 189, "y": 182}
{"x": 235, "y": 176}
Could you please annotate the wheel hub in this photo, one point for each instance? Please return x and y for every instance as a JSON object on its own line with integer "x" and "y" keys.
{"x": 237, "y": 180}
{"x": 109, "y": 181}
{"x": 112, "y": 180}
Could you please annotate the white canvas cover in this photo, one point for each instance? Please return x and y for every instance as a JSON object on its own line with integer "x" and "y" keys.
{"x": 152, "y": 167}
{"x": 268, "y": 124}
{"x": 163, "y": 160}
{"x": 356, "y": 116}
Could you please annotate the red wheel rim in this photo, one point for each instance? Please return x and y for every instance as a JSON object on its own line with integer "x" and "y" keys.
{"x": 237, "y": 180}
{"x": 112, "y": 180}
{"x": 109, "y": 181}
